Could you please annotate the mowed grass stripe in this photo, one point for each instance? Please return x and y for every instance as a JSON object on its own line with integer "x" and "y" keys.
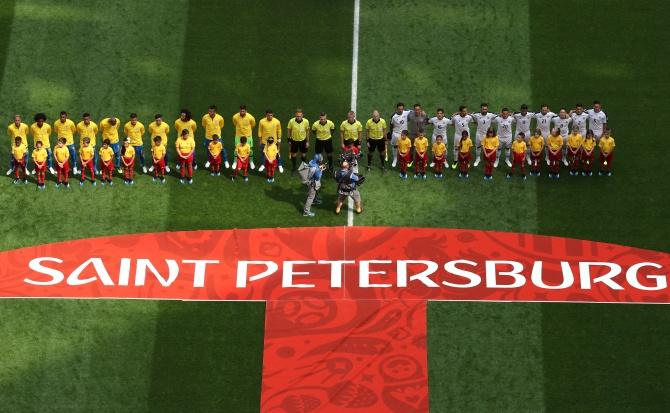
{"x": 64, "y": 355}
{"x": 208, "y": 356}
{"x": 98, "y": 57}
{"x": 608, "y": 357}
{"x": 482, "y": 357}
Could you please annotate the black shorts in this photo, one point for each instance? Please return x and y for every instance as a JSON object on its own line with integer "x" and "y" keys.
{"x": 378, "y": 144}
{"x": 324, "y": 145}
{"x": 299, "y": 146}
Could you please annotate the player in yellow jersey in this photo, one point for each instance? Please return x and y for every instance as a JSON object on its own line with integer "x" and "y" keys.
{"x": 62, "y": 156}
{"x": 161, "y": 130}
{"x": 214, "y": 151}
{"x": 404, "y": 144}
{"x": 606, "y": 145}
{"x": 244, "y": 124}
{"x": 375, "y": 137}
{"x": 134, "y": 130}
{"x": 14, "y": 130}
{"x": 107, "y": 155}
{"x": 536, "y": 143}
{"x": 128, "y": 162}
{"x": 213, "y": 123}
{"x": 19, "y": 156}
{"x": 87, "y": 159}
{"x": 464, "y": 154}
{"x": 185, "y": 122}
{"x": 323, "y": 130}
{"x": 298, "y": 129}
{"x": 270, "y": 127}
{"x": 439, "y": 156}
{"x": 490, "y": 146}
{"x": 185, "y": 149}
{"x": 40, "y": 160}
{"x": 270, "y": 153}
{"x": 158, "y": 154}
{"x": 65, "y": 128}
{"x": 351, "y": 129}
{"x": 242, "y": 153}
{"x": 41, "y": 132}
{"x": 421, "y": 155}
{"x": 86, "y": 128}
{"x": 555, "y": 149}
{"x": 518, "y": 155}
{"x": 574, "y": 155}
{"x": 110, "y": 131}
{"x": 588, "y": 147}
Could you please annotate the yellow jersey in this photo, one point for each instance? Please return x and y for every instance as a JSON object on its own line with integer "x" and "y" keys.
{"x": 41, "y": 134}
{"x": 404, "y": 144}
{"x": 61, "y": 153}
{"x": 323, "y": 131}
{"x": 439, "y": 149}
{"x": 22, "y": 131}
{"x": 86, "y": 152}
{"x": 606, "y": 144}
{"x": 536, "y": 143}
{"x": 19, "y": 151}
{"x": 134, "y": 132}
{"x": 375, "y": 130}
{"x": 269, "y": 128}
{"x": 588, "y": 144}
{"x": 161, "y": 131}
{"x": 491, "y": 142}
{"x": 575, "y": 141}
{"x": 87, "y": 131}
{"x": 189, "y": 125}
{"x": 158, "y": 151}
{"x": 244, "y": 125}
{"x": 65, "y": 130}
{"x": 242, "y": 151}
{"x": 555, "y": 142}
{"x": 421, "y": 144}
{"x": 351, "y": 130}
{"x": 106, "y": 154}
{"x": 466, "y": 145}
{"x": 519, "y": 146}
{"x": 298, "y": 130}
{"x": 271, "y": 152}
{"x": 215, "y": 148}
{"x": 185, "y": 146}
{"x": 130, "y": 152}
{"x": 40, "y": 155}
{"x": 110, "y": 131}
{"x": 212, "y": 126}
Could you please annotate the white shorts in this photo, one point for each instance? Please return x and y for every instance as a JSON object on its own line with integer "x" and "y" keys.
{"x": 394, "y": 138}
{"x": 526, "y": 135}
{"x": 505, "y": 142}
{"x": 479, "y": 137}
{"x": 597, "y": 134}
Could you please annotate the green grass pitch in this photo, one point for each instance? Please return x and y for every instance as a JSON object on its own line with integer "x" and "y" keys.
{"x": 116, "y": 57}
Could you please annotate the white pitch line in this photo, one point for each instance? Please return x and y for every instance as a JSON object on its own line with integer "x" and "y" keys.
{"x": 354, "y": 92}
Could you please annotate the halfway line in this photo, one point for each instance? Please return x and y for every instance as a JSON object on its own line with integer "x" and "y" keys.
{"x": 354, "y": 93}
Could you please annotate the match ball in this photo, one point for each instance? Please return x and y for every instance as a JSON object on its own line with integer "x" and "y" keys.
{"x": 605, "y": 163}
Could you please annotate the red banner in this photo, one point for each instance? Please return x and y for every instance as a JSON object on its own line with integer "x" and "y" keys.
{"x": 346, "y": 312}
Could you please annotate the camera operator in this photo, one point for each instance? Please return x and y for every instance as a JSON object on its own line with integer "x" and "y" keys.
{"x": 310, "y": 175}
{"x": 347, "y": 183}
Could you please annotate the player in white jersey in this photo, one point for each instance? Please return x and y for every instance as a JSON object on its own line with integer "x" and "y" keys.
{"x": 543, "y": 119}
{"x": 579, "y": 118}
{"x": 504, "y": 122}
{"x": 440, "y": 123}
{"x": 562, "y": 122}
{"x": 461, "y": 121}
{"x": 597, "y": 120}
{"x": 523, "y": 119}
{"x": 483, "y": 119}
{"x": 398, "y": 124}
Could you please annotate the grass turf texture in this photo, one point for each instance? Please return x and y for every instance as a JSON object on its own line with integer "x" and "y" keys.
{"x": 520, "y": 357}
